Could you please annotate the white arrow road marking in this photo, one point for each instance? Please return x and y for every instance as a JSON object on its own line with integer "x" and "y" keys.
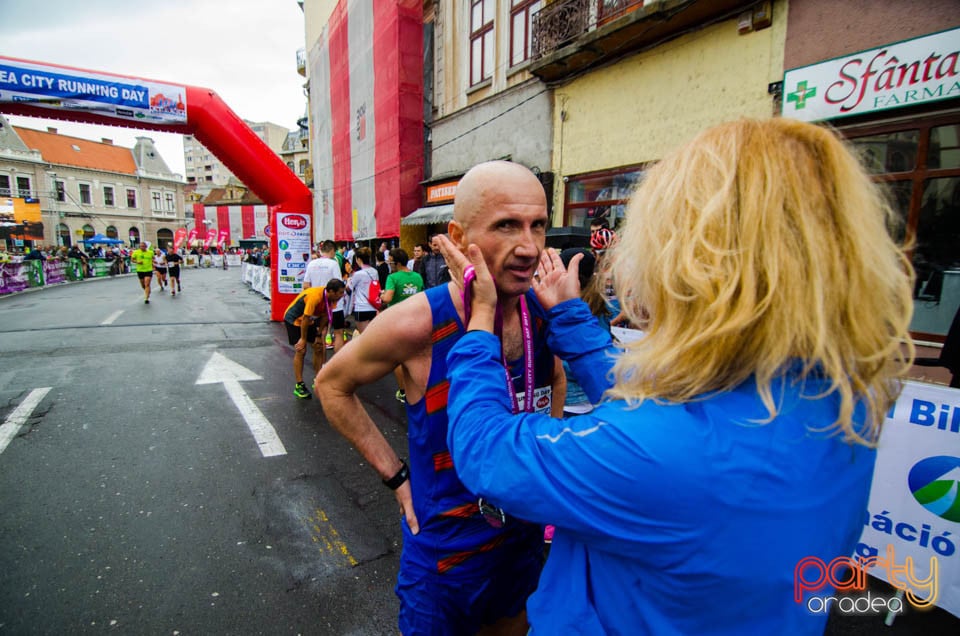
{"x": 20, "y": 415}
{"x": 112, "y": 317}
{"x": 220, "y": 369}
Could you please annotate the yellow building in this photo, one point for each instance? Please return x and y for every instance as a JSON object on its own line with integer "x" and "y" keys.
{"x": 692, "y": 66}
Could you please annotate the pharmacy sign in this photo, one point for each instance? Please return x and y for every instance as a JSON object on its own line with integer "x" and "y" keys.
{"x": 922, "y": 70}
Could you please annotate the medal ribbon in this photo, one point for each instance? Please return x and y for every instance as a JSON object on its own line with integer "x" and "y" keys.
{"x": 526, "y": 331}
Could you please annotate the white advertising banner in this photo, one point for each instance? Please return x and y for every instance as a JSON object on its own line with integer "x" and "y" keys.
{"x": 321, "y": 129}
{"x": 363, "y": 151}
{"x": 61, "y": 88}
{"x": 908, "y": 73}
{"x": 293, "y": 251}
{"x": 913, "y": 527}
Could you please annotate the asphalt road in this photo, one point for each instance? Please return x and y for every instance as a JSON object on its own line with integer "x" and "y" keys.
{"x": 137, "y": 500}
{"x": 164, "y": 480}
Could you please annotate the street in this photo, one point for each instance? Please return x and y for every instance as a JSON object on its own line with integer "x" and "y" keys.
{"x": 159, "y": 477}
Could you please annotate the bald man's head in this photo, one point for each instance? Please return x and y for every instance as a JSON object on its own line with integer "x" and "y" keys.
{"x": 492, "y": 183}
{"x": 501, "y": 208}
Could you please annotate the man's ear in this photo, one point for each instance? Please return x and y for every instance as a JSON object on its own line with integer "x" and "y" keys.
{"x": 456, "y": 233}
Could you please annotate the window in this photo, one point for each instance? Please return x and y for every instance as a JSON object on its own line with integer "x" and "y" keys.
{"x": 303, "y": 166}
{"x": 155, "y": 198}
{"x": 111, "y": 232}
{"x": 918, "y": 163}
{"x": 85, "y": 195}
{"x": 481, "y": 40}
{"x": 23, "y": 187}
{"x": 521, "y": 17}
{"x": 600, "y": 195}
{"x": 4, "y": 185}
{"x": 131, "y": 198}
{"x": 108, "y": 196}
{"x": 61, "y": 189}
{"x": 168, "y": 200}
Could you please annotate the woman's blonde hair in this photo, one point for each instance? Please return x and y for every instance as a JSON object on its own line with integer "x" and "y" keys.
{"x": 758, "y": 245}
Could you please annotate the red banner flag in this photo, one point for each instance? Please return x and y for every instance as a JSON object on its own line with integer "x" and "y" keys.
{"x": 178, "y": 238}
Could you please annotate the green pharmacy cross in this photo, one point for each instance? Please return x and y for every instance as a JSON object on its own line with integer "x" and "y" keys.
{"x": 801, "y": 94}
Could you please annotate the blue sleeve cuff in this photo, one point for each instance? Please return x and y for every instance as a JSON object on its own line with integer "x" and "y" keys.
{"x": 577, "y": 337}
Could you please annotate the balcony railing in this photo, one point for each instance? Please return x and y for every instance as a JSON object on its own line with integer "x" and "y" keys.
{"x": 557, "y": 24}
{"x": 570, "y": 36}
{"x": 608, "y": 10}
{"x": 562, "y": 21}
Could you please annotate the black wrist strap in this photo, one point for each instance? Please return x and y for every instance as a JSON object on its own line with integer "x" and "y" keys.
{"x": 398, "y": 480}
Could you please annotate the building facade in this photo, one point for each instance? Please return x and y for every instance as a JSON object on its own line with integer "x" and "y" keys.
{"x": 632, "y": 80}
{"x": 82, "y": 188}
{"x": 207, "y": 171}
{"x": 887, "y": 76}
{"x": 484, "y": 104}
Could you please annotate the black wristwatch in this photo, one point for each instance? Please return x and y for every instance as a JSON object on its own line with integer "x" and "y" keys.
{"x": 397, "y": 480}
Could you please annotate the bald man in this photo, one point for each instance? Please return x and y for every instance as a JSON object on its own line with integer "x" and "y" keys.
{"x": 465, "y": 568}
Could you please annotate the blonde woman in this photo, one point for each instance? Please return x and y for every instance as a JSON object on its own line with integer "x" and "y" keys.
{"x": 736, "y": 438}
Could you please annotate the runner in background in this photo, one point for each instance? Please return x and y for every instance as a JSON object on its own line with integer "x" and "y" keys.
{"x": 160, "y": 267}
{"x": 142, "y": 259}
{"x": 173, "y": 271}
{"x": 401, "y": 284}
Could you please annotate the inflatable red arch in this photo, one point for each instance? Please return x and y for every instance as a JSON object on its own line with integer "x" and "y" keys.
{"x": 38, "y": 89}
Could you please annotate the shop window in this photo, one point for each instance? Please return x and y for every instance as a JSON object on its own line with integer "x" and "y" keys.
{"x": 88, "y": 232}
{"x": 944, "y": 148}
{"x": 889, "y": 152}
{"x": 111, "y": 232}
{"x": 918, "y": 162}
{"x": 64, "y": 233}
{"x": 600, "y": 195}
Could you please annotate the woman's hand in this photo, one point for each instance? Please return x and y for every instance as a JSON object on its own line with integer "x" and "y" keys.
{"x": 483, "y": 291}
{"x": 555, "y": 283}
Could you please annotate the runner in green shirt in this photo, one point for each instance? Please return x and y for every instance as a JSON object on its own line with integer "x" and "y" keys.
{"x": 401, "y": 284}
{"x": 142, "y": 259}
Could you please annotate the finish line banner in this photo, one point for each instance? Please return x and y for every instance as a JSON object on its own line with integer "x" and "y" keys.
{"x": 913, "y": 528}
{"x": 61, "y": 88}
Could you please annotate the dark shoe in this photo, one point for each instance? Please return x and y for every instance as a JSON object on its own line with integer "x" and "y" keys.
{"x": 301, "y": 391}
{"x": 146, "y": 301}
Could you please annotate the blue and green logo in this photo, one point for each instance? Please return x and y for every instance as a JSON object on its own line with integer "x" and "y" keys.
{"x": 935, "y": 484}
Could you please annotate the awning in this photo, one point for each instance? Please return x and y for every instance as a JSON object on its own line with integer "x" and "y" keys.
{"x": 428, "y": 215}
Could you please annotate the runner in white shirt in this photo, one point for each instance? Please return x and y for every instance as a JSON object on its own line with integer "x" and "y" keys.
{"x": 160, "y": 267}
{"x": 318, "y": 273}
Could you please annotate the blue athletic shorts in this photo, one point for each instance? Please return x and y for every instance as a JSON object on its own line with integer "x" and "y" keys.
{"x": 451, "y": 604}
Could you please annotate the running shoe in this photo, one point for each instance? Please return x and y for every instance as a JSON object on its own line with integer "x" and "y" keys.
{"x": 146, "y": 301}
{"x": 173, "y": 293}
{"x": 401, "y": 396}
{"x": 301, "y": 391}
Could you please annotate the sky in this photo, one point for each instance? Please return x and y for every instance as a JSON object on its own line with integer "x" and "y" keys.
{"x": 245, "y": 50}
